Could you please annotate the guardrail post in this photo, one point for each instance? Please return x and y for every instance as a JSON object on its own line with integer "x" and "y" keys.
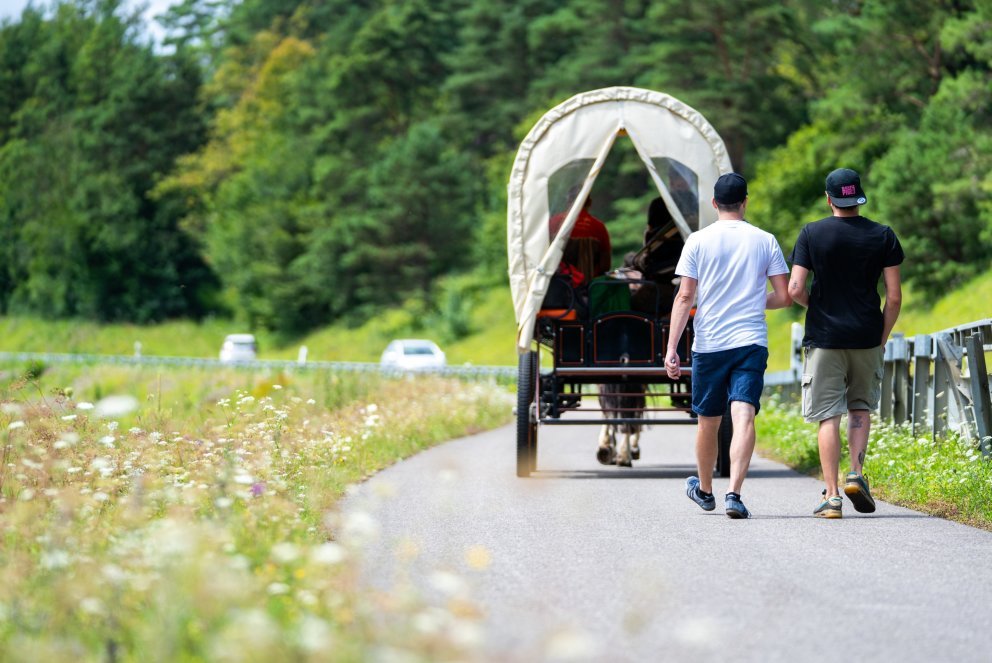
{"x": 980, "y": 397}
{"x": 885, "y": 404}
{"x": 901, "y": 391}
{"x": 950, "y": 404}
{"x": 796, "y": 354}
{"x": 922, "y": 410}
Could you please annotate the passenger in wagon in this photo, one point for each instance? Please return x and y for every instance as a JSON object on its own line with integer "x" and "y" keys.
{"x": 588, "y": 249}
{"x": 656, "y": 260}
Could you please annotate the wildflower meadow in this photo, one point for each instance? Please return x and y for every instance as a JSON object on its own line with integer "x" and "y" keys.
{"x": 186, "y": 515}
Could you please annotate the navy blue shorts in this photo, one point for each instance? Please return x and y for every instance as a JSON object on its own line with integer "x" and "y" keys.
{"x": 720, "y": 377}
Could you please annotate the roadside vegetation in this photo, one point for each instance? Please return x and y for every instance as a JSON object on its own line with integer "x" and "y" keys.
{"x": 478, "y": 329}
{"x": 945, "y": 477}
{"x": 191, "y": 514}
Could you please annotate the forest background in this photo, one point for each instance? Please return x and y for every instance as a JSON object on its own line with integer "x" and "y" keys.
{"x": 297, "y": 164}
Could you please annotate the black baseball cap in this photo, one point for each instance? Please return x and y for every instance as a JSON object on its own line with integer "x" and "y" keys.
{"x": 730, "y": 189}
{"x": 844, "y": 188}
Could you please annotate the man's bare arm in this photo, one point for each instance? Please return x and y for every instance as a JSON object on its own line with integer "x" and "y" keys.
{"x": 797, "y": 285}
{"x": 893, "y": 300}
{"x": 680, "y": 317}
{"x": 778, "y": 297}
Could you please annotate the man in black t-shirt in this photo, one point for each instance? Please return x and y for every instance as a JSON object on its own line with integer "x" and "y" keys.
{"x": 846, "y": 329}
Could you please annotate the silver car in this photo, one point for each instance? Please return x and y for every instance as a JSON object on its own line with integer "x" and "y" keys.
{"x": 413, "y": 354}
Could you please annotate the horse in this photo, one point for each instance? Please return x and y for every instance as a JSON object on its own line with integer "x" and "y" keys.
{"x": 621, "y": 401}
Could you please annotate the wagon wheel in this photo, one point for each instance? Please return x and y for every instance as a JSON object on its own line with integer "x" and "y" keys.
{"x": 526, "y": 426}
{"x": 723, "y": 437}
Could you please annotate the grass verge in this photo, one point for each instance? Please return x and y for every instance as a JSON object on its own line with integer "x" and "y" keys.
{"x": 947, "y": 478}
{"x": 189, "y": 515}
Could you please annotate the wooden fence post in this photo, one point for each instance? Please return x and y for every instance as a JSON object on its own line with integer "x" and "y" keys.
{"x": 921, "y": 382}
{"x": 980, "y": 398}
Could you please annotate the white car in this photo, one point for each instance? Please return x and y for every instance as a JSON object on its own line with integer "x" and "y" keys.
{"x": 238, "y": 347}
{"x": 412, "y": 354}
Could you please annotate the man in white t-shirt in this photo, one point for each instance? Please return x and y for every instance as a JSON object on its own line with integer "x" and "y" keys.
{"x": 726, "y": 267}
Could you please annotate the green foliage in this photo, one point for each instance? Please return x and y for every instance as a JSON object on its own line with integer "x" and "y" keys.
{"x": 296, "y": 164}
{"x": 97, "y": 117}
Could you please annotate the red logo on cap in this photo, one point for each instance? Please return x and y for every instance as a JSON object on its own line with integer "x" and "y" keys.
{"x": 848, "y": 190}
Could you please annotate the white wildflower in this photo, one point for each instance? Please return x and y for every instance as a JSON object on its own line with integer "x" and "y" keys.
{"x": 54, "y": 559}
{"x": 572, "y": 645}
{"x": 277, "y": 588}
{"x": 92, "y": 605}
{"x": 314, "y": 635}
{"x": 285, "y": 553}
{"x": 359, "y": 528}
{"x": 430, "y": 621}
{"x": 449, "y": 583}
{"x": 328, "y": 553}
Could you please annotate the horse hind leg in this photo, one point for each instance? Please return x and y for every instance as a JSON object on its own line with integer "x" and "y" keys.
{"x": 635, "y": 444}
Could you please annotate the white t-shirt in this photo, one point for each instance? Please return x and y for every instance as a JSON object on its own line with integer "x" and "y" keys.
{"x": 732, "y": 261}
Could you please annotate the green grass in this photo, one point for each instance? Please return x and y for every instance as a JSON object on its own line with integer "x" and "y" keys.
{"x": 487, "y": 339}
{"x": 198, "y": 521}
{"x": 947, "y": 478}
{"x": 490, "y": 342}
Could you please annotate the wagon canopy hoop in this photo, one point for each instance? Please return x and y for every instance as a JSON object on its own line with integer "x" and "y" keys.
{"x": 675, "y": 143}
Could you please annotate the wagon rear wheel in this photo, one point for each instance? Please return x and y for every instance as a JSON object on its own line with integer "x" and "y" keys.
{"x": 723, "y": 443}
{"x": 526, "y": 426}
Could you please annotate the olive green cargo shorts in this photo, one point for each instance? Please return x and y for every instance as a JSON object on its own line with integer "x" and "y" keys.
{"x": 835, "y": 381}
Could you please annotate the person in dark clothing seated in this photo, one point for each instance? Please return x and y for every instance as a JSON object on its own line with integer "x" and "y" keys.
{"x": 656, "y": 260}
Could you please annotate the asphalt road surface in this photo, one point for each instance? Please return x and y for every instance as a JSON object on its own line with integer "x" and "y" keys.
{"x": 593, "y": 563}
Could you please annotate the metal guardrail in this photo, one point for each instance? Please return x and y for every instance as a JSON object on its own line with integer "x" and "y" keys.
{"x": 465, "y": 372}
{"x": 935, "y": 382}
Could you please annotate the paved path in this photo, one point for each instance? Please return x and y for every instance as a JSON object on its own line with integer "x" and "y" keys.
{"x": 608, "y": 564}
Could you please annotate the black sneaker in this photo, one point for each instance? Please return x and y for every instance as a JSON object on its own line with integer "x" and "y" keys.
{"x": 705, "y": 502}
{"x": 856, "y": 488}
{"x": 735, "y": 508}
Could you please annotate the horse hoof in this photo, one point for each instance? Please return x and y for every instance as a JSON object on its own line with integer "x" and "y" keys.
{"x": 635, "y": 453}
{"x": 605, "y": 456}
{"x": 624, "y": 463}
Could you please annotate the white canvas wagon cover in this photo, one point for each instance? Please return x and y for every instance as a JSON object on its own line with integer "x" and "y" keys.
{"x": 563, "y": 153}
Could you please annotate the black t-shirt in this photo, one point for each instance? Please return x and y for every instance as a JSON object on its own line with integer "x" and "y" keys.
{"x": 847, "y": 256}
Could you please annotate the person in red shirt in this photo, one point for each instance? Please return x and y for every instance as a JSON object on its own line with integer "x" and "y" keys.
{"x": 577, "y": 253}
